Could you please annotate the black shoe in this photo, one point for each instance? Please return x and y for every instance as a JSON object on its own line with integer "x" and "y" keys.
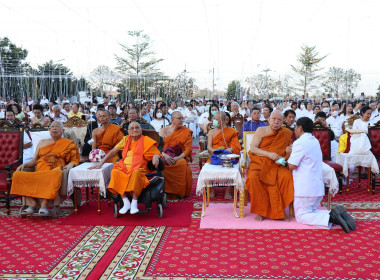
{"x": 335, "y": 218}
{"x": 347, "y": 217}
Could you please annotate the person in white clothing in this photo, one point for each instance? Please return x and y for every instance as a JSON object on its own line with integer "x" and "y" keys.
{"x": 308, "y": 112}
{"x": 305, "y": 162}
{"x": 363, "y": 122}
{"x": 335, "y": 122}
{"x": 158, "y": 122}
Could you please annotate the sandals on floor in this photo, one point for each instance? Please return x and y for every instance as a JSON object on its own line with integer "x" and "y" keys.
{"x": 29, "y": 210}
{"x": 44, "y": 211}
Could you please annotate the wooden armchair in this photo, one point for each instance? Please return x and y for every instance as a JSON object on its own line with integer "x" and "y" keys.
{"x": 78, "y": 127}
{"x": 322, "y": 134}
{"x": 244, "y": 159}
{"x": 11, "y": 154}
{"x": 238, "y": 121}
{"x": 374, "y": 138}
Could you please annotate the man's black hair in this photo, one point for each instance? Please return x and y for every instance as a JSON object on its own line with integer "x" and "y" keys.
{"x": 290, "y": 111}
{"x": 306, "y": 124}
{"x": 38, "y": 107}
{"x": 321, "y": 114}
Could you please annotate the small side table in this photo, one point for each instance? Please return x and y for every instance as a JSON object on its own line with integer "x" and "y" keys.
{"x": 82, "y": 177}
{"x": 216, "y": 175}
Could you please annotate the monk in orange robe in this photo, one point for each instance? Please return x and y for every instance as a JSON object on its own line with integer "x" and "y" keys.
{"x": 178, "y": 144}
{"x": 52, "y": 155}
{"x": 270, "y": 184}
{"x": 222, "y": 137}
{"x": 107, "y": 135}
{"x": 128, "y": 175}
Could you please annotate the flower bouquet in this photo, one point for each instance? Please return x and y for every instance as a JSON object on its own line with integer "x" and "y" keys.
{"x": 96, "y": 155}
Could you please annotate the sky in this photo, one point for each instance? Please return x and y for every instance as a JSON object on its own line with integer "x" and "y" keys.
{"x": 237, "y": 39}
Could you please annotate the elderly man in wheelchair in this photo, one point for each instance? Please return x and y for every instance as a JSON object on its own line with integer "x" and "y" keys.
{"x": 52, "y": 161}
{"x": 128, "y": 177}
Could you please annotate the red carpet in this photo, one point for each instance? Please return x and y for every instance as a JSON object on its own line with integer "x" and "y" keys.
{"x": 177, "y": 214}
{"x": 268, "y": 254}
{"x": 36, "y": 245}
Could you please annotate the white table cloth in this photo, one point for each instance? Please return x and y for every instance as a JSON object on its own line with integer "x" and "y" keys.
{"x": 81, "y": 176}
{"x": 216, "y": 175}
{"x": 348, "y": 160}
{"x": 329, "y": 179}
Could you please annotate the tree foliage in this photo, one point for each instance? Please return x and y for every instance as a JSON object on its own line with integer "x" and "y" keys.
{"x": 11, "y": 57}
{"x": 338, "y": 81}
{"x": 307, "y": 70}
{"x": 140, "y": 59}
{"x": 234, "y": 89}
{"x": 262, "y": 86}
{"x": 103, "y": 80}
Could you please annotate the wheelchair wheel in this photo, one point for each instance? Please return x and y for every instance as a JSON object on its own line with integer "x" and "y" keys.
{"x": 55, "y": 212}
{"x": 159, "y": 210}
{"x": 115, "y": 210}
{"x": 164, "y": 201}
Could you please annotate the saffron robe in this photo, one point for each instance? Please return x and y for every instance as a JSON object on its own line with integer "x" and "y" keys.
{"x": 124, "y": 180}
{"x": 46, "y": 181}
{"x": 178, "y": 177}
{"x": 107, "y": 140}
{"x": 270, "y": 185}
{"x": 230, "y": 139}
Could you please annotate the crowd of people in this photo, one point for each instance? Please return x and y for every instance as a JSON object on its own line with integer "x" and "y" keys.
{"x": 116, "y": 128}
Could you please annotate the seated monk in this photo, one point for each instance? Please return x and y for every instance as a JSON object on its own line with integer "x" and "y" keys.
{"x": 107, "y": 135}
{"x": 128, "y": 175}
{"x": 52, "y": 155}
{"x": 178, "y": 143}
{"x": 223, "y": 137}
{"x": 270, "y": 184}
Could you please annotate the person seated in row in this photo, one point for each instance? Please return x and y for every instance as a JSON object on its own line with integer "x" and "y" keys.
{"x": 128, "y": 175}
{"x": 133, "y": 116}
{"x": 270, "y": 184}
{"x": 334, "y": 145}
{"x": 306, "y": 164}
{"x": 113, "y": 116}
{"x": 75, "y": 111}
{"x": 178, "y": 142}
{"x": 158, "y": 121}
{"x": 51, "y": 156}
{"x": 289, "y": 119}
{"x": 57, "y": 114}
{"x": 254, "y": 123}
{"x": 39, "y": 117}
{"x": 107, "y": 135}
{"x": 223, "y": 137}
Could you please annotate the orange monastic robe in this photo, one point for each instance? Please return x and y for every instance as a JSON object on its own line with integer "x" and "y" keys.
{"x": 46, "y": 181}
{"x": 178, "y": 177}
{"x": 125, "y": 182}
{"x": 107, "y": 140}
{"x": 269, "y": 184}
{"x": 230, "y": 139}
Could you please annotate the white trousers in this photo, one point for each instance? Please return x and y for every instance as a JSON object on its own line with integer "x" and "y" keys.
{"x": 306, "y": 212}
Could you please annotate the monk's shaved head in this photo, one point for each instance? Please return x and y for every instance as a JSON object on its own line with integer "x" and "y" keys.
{"x": 277, "y": 113}
{"x": 57, "y": 124}
{"x": 222, "y": 115}
{"x": 276, "y": 120}
{"x": 176, "y": 114}
{"x": 134, "y": 124}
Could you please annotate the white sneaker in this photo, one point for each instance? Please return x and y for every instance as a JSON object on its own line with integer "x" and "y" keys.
{"x": 134, "y": 210}
{"x": 124, "y": 210}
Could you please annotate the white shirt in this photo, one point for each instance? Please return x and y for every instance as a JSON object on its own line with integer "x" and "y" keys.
{"x": 202, "y": 118}
{"x": 158, "y": 124}
{"x": 27, "y": 153}
{"x": 309, "y": 114}
{"x": 308, "y": 176}
{"x": 359, "y": 124}
{"x": 336, "y": 124}
{"x": 44, "y": 101}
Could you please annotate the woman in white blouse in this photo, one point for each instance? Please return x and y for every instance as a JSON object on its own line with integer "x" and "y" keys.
{"x": 159, "y": 121}
{"x": 363, "y": 122}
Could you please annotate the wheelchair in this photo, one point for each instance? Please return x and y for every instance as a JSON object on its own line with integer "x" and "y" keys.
{"x": 61, "y": 197}
{"x": 154, "y": 192}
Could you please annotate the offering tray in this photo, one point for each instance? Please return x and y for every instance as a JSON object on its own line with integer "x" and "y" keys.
{"x": 227, "y": 160}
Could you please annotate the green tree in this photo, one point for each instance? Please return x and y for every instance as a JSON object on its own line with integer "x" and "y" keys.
{"x": 351, "y": 80}
{"x": 11, "y": 57}
{"x": 103, "y": 80}
{"x": 307, "y": 70}
{"x": 234, "y": 89}
{"x": 140, "y": 59}
{"x": 333, "y": 80}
